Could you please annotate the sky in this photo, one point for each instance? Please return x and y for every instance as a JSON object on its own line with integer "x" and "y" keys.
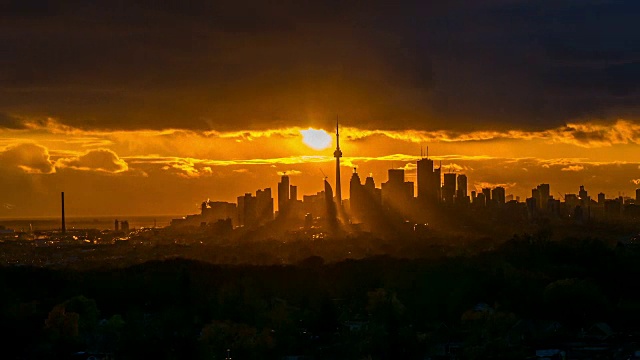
{"x": 137, "y": 108}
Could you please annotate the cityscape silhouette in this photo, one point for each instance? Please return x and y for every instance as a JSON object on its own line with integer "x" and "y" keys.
{"x": 307, "y": 180}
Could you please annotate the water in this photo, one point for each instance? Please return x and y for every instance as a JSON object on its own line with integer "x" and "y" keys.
{"x": 98, "y": 222}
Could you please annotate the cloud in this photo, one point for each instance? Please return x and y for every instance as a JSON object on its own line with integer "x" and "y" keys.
{"x": 290, "y": 173}
{"x": 636, "y": 181}
{"x": 483, "y": 184}
{"x": 573, "y": 168}
{"x": 10, "y": 122}
{"x": 227, "y": 67}
{"x": 102, "y": 160}
{"x": 30, "y": 158}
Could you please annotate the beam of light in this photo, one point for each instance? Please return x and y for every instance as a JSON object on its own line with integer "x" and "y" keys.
{"x": 316, "y": 139}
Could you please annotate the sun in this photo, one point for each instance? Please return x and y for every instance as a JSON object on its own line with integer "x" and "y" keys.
{"x": 316, "y": 139}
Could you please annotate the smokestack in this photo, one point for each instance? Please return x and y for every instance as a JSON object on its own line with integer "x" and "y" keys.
{"x": 64, "y": 227}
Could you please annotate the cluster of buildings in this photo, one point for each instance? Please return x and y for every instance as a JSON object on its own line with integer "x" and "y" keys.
{"x": 435, "y": 189}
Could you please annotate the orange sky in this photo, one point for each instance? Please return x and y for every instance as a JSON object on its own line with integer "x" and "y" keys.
{"x": 132, "y": 172}
{"x": 151, "y": 108}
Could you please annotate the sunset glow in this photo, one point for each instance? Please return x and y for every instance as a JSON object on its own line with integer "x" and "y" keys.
{"x": 316, "y": 139}
{"x": 218, "y": 108}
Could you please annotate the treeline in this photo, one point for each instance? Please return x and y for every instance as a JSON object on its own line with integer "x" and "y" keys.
{"x": 379, "y": 307}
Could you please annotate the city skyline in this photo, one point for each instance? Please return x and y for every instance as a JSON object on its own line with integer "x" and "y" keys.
{"x": 148, "y": 110}
{"x": 43, "y": 167}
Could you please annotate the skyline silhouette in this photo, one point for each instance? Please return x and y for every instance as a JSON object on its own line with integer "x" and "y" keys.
{"x": 310, "y": 180}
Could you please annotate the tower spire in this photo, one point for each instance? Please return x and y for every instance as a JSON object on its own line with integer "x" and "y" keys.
{"x": 338, "y": 154}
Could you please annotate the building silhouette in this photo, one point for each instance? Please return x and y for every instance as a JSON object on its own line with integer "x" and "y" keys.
{"x": 264, "y": 206}
{"x": 428, "y": 180}
{"x": 397, "y": 194}
{"x": 498, "y": 195}
{"x": 283, "y": 194}
{"x": 461, "y": 193}
{"x": 449, "y": 188}
{"x": 486, "y": 194}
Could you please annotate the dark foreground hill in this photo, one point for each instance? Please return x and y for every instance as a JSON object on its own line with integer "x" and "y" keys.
{"x": 525, "y": 295}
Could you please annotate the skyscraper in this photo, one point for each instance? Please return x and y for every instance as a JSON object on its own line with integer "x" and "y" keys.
{"x": 498, "y": 195}
{"x": 449, "y": 187}
{"x": 338, "y": 154}
{"x": 356, "y": 194}
{"x": 461, "y": 194}
{"x": 283, "y": 194}
{"x": 264, "y": 204}
{"x": 397, "y": 193}
{"x": 487, "y": 195}
{"x": 544, "y": 195}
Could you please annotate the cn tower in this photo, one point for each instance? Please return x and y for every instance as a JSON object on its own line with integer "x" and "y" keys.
{"x": 338, "y": 154}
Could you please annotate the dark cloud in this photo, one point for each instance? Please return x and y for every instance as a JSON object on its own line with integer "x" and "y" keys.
{"x": 224, "y": 65}
{"x": 27, "y": 157}
{"x": 10, "y": 122}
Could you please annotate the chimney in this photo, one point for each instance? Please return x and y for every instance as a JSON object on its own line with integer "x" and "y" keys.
{"x": 64, "y": 227}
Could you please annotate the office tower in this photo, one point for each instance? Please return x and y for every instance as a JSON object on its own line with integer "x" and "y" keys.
{"x": 584, "y": 196}
{"x": 480, "y": 200}
{"x": 487, "y": 195}
{"x": 369, "y": 183}
{"x": 498, "y": 195}
{"x": 461, "y": 194}
{"x": 373, "y": 194}
{"x": 293, "y": 193}
{"x": 396, "y": 193}
{"x": 535, "y": 194}
{"x": 264, "y": 205}
{"x": 428, "y": 181}
{"x": 543, "y": 195}
{"x": 637, "y": 196}
{"x": 449, "y": 188}
{"x": 283, "y": 194}
{"x": 357, "y": 200}
{"x": 338, "y": 154}
{"x": 250, "y": 210}
{"x": 601, "y": 198}
{"x": 117, "y": 225}
{"x": 330, "y": 206}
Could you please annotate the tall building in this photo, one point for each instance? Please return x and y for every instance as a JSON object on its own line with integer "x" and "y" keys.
{"x": 543, "y": 195}
{"x": 449, "y": 187}
{"x": 331, "y": 216}
{"x": 264, "y": 205}
{"x": 428, "y": 181}
{"x": 498, "y": 195}
{"x": 396, "y": 193}
{"x": 487, "y": 195}
{"x": 601, "y": 198}
{"x": 357, "y": 197}
{"x": 293, "y": 193}
{"x": 338, "y": 154}
{"x": 584, "y": 196}
{"x": 374, "y": 194}
{"x": 283, "y": 194}
{"x": 637, "y": 196}
{"x": 247, "y": 210}
{"x": 461, "y": 194}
